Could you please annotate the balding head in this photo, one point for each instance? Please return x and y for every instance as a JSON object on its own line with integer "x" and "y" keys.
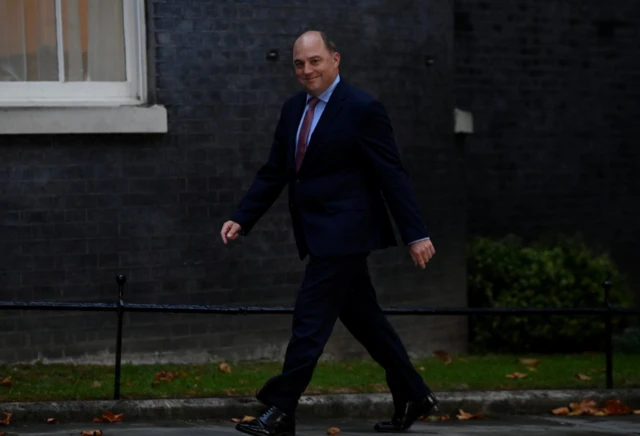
{"x": 316, "y": 61}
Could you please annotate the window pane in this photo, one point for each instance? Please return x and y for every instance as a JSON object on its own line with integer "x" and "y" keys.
{"x": 28, "y": 46}
{"x": 94, "y": 47}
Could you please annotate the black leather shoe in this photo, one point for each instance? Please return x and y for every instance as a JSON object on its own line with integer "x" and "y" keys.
{"x": 273, "y": 422}
{"x": 403, "y": 418}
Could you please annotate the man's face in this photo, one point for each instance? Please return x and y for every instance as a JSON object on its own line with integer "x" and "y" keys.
{"x": 315, "y": 67}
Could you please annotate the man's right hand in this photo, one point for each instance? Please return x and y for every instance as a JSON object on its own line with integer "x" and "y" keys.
{"x": 230, "y": 231}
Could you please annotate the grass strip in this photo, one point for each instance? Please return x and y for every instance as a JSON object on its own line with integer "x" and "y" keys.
{"x": 40, "y": 382}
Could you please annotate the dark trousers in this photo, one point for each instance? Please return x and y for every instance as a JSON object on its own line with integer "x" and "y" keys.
{"x": 339, "y": 287}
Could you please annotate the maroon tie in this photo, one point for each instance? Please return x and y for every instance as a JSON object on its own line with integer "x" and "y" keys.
{"x": 304, "y": 132}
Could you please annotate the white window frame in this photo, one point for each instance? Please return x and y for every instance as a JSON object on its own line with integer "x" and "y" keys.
{"x": 131, "y": 92}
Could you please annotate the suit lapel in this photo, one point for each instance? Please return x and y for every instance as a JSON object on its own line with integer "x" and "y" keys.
{"x": 333, "y": 108}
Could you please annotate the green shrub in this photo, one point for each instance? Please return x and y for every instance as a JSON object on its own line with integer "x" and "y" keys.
{"x": 563, "y": 273}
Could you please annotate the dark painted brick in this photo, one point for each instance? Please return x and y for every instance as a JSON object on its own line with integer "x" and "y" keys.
{"x": 555, "y": 102}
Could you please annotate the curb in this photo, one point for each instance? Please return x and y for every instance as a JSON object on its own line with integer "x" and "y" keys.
{"x": 363, "y": 406}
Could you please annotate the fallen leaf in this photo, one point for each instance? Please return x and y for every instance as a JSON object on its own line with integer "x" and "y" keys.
{"x": 616, "y": 407}
{"x": 231, "y": 392}
{"x": 445, "y": 418}
{"x": 224, "y": 367}
{"x": 465, "y": 415}
{"x": 560, "y": 411}
{"x": 248, "y": 418}
{"x": 6, "y": 382}
{"x": 333, "y": 431}
{"x": 532, "y": 363}
{"x": 7, "y": 419}
{"x": 636, "y": 412}
{"x": 444, "y": 356}
{"x": 235, "y": 420}
{"x": 516, "y": 375}
{"x": 348, "y": 367}
{"x": 96, "y": 384}
{"x": 197, "y": 378}
{"x": 92, "y": 433}
{"x": 421, "y": 368}
{"x": 582, "y": 377}
{"x": 379, "y": 387}
{"x": 340, "y": 390}
{"x": 52, "y": 421}
{"x": 109, "y": 417}
{"x": 531, "y": 369}
{"x": 585, "y": 407}
{"x": 129, "y": 384}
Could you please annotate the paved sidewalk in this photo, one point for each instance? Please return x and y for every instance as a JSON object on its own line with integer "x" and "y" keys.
{"x": 491, "y": 426}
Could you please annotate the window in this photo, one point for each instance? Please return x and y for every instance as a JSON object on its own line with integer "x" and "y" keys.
{"x": 72, "y": 52}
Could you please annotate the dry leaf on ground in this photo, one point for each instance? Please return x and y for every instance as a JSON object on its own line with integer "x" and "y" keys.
{"x": 636, "y": 412}
{"x": 616, "y": 407}
{"x": 582, "y": 377}
{"x": 435, "y": 418}
{"x": 530, "y": 363}
{"x": 333, "y": 431}
{"x": 92, "y": 433}
{"x": 421, "y": 368}
{"x": 224, "y": 367}
{"x": 516, "y": 375}
{"x": 6, "y": 382}
{"x": 465, "y": 415}
{"x": 110, "y": 417}
{"x": 560, "y": 411}
{"x": 52, "y": 421}
{"x": 7, "y": 419}
{"x": 247, "y": 418}
{"x": 96, "y": 384}
{"x": 589, "y": 407}
{"x": 379, "y": 387}
{"x": 585, "y": 407}
{"x": 444, "y": 356}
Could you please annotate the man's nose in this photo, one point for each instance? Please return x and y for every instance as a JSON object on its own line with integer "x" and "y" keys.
{"x": 307, "y": 68}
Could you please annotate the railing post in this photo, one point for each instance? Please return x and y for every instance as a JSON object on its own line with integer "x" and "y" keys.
{"x": 608, "y": 333}
{"x": 121, "y": 280}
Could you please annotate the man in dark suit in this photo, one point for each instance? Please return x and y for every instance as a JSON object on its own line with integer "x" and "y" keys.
{"x": 334, "y": 148}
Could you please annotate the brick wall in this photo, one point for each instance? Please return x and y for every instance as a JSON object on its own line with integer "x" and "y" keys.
{"x": 553, "y": 89}
{"x": 78, "y": 210}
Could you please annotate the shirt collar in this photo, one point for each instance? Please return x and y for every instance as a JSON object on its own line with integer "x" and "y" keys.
{"x": 324, "y": 97}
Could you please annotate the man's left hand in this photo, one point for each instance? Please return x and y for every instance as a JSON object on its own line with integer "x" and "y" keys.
{"x": 422, "y": 252}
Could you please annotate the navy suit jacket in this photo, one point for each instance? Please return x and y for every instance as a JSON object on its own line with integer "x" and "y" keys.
{"x": 350, "y": 175}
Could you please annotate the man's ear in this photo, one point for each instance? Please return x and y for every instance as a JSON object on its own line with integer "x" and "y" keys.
{"x": 336, "y": 59}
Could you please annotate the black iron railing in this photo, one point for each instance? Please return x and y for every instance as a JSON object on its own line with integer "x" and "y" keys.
{"x": 607, "y": 311}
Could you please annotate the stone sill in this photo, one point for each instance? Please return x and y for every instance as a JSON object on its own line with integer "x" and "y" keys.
{"x": 463, "y": 121}
{"x": 82, "y": 119}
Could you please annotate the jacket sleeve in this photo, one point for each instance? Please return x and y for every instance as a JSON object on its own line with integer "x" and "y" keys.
{"x": 379, "y": 148}
{"x": 269, "y": 181}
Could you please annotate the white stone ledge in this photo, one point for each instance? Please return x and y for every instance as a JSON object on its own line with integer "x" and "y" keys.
{"x": 463, "y": 121}
{"x": 94, "y": 119}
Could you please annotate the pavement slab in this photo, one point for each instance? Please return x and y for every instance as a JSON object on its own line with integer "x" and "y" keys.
{"x": 490, "y": 426}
